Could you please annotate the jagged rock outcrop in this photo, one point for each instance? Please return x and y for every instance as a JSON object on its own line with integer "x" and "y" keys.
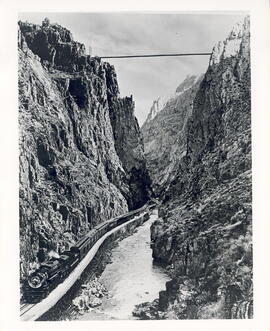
{"x": 161, "y": 102}
{"x": 204, "y": 234}
{"x": 165, "y": 133}
{"x": 129, "y": 146}
{"x": 75, "y": 170}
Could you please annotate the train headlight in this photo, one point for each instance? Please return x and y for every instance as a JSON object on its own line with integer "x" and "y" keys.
{"x": 37, "y": 280}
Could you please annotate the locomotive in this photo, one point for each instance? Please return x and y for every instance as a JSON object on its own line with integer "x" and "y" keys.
{"x": 50, "y": 273}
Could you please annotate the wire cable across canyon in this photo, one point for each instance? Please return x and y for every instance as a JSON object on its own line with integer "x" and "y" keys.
{"x": 151, "y": 55}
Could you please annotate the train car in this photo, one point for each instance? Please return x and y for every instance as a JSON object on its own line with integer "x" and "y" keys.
{"x": 102, "y": 228}
{"x": 93, "y": 236}
{"x": 122, "y": 219}
{"x": 83, "y": 245}
{"x": 128, "y": 216}
{"x": 112, "y": 223}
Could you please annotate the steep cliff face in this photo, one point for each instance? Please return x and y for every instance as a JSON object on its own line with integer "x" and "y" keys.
{"x": 204, "y": 231}
{"x": 165, "y": 133}
{"x": 129, "y": 146}
{"x": 74, "y": 169}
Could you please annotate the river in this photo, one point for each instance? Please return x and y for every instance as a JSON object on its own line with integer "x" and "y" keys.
{"x": 130, "y": 278}
{"x": 125, "y": 268}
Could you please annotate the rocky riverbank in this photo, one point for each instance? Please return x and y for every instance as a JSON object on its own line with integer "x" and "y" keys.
{"x": 90, "y": 296}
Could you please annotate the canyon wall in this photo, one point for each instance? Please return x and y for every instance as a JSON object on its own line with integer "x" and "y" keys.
{"x": 165, "y": 133}
{"x": 81, "y": 153}
{"x": 204, "y": 233}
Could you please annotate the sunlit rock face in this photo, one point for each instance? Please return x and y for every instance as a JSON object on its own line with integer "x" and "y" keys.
{"x": 204, "y": 233}
{"x": 75, "y": 171}
{"x": 165, "y": 134}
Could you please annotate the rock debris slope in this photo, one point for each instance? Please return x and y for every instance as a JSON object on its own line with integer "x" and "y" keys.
{"x": 81, "y": 151}
{"x": 201, "y": 168}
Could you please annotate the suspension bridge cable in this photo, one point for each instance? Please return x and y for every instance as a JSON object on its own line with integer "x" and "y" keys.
{"x": 151, "y": 55}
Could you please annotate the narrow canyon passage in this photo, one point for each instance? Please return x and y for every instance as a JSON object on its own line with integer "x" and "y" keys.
{"x": 131, "y": 278}
{"x": 84, "y": 159}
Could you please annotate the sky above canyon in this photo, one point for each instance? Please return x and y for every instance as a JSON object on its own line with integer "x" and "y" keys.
{"x": 136, "y": 33}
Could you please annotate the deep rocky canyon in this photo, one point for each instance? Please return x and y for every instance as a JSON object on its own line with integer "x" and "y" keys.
{"x": 198, "y": 150}
{"x": 81, "y": 151}
{"x": 83, "y": 159}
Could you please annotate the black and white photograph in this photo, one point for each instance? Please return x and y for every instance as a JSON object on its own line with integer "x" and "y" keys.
{"x": 132, "y": 212}
{"x": 135, "y": 166}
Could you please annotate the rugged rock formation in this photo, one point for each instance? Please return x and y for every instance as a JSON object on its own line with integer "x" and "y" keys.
{"x": 204, "y": 233}
{"x": 165, "y": 133}
{"x": 161, "y": 102}
{"x": 129, "y": 147}
{"x": 81, "y": 152}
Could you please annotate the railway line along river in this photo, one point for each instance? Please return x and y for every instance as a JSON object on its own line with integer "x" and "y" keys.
{"x": 129, "y": 278}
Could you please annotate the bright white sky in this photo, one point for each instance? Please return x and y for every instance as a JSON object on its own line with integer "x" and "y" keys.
{"x": 127, "y": 34}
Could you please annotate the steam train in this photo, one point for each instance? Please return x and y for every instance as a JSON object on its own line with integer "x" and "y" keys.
{"x": 52, "y": 272}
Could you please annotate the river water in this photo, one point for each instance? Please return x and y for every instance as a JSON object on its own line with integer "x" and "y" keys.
{"x": 130, "y": 278}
